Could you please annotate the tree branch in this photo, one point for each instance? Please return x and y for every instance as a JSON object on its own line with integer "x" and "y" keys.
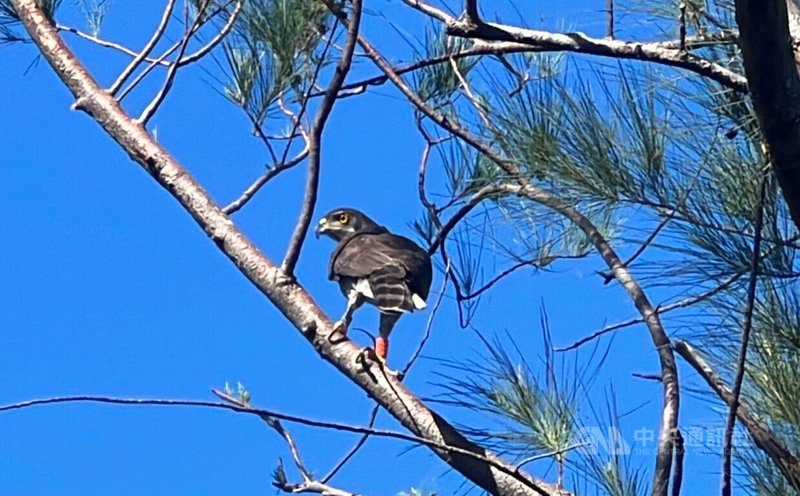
{"x": 217, "y": 39}
{"x": 496, "y": 48}
{"x": 288, "y": 296}
{"x": 580, "y": 43}
{"x": 276, "y": 169}
{"x": 309, "y": 484}
{"x": 747, "y": 323}
{"x": 151, "y": 109}
{"x": 660, "y": 309}
{"x": 162, "y": 26}
{"x": 769, "y": 62}
{"x": 235, "y": 405}
{"x": 677, "y": 474}
{"x": 786, "y": 462}
{"x": 315, "y": 141}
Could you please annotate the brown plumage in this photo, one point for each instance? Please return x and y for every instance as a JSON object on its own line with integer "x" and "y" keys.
{"x": 371, "y": 264}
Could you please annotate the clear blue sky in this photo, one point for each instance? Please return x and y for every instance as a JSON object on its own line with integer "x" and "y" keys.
{"x": 107, "y": 287}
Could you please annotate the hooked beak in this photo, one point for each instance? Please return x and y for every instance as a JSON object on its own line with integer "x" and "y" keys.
{"x": 321, "y": 227}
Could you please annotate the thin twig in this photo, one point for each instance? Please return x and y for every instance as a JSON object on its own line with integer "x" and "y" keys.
{"x": 660, "y": 309}
{"x": 202, "y": 51}
{"x": 293, "y": 450}
{"x": 645, "y": 244}
{"x": 263, "y": 179}
{"x": 309, "y": 484}
{"x": 542, "y": 456}
{"x": 505, "y": 273}
{"x": 315, "y": 141}
{"x": 258, "y": 130}
{"x": 472, "y": 202}
{"x": 433, "y": 212}
{"x": 350, "y": 454}
{"x": 429, "y": 325}
{"x": 162, "y": 26}
{"x": 276, "y": 169}
{"x": 96, "y": 40}
{"x": 747, "y": 323}
{"x": 153, "y": 64}
{"x": 152, "y": 107}
{"x": 610, "y": 21}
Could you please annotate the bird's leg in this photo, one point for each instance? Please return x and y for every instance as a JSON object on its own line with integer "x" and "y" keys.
{"x": 354, "y": 300}
{"x": 381, "y": 351}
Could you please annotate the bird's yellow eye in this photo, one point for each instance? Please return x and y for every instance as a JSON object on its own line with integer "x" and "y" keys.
{"x": 343, "y": 218}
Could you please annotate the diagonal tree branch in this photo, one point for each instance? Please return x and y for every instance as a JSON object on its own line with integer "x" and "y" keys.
{"x": 482, "y": 467}
{"x": 747, "y": 324}
{"x": 786, "y": 462}
{"x": 315, "y": 140}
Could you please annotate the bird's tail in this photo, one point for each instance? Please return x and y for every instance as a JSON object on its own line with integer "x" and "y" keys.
{"x": 389, "y": 290}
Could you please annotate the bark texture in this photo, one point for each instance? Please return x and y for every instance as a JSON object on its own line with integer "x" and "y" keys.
{"x": 771, "y": 69}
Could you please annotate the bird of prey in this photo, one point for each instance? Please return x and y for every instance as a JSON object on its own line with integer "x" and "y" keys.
{"x": 373, "y": 265}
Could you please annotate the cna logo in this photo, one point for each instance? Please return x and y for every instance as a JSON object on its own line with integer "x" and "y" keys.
{"x": 596, "y": 440}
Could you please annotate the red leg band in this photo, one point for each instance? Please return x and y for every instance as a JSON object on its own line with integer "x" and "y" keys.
{"x": 381, "y": 347}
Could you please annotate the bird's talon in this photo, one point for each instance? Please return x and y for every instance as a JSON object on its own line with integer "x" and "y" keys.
{"x": 362, "y": 360}
{"x": 340, "y": 326}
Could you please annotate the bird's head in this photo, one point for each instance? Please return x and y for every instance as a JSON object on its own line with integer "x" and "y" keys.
{"x": 342, "y": 223}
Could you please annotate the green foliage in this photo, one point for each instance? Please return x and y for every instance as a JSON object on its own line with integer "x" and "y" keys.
{"x": 273, "y": 50}
{"x": 437, "y": 83}
{"x": 537, "y": 415}
{"x": 10, "y": 30}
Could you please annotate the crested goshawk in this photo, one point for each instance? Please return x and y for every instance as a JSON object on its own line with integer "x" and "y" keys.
{"x": 373, "y": 265}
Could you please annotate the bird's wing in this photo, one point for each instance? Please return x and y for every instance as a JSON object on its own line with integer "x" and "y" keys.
{"x": 399, "y": 272}
{"x": 363, "y": 254}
